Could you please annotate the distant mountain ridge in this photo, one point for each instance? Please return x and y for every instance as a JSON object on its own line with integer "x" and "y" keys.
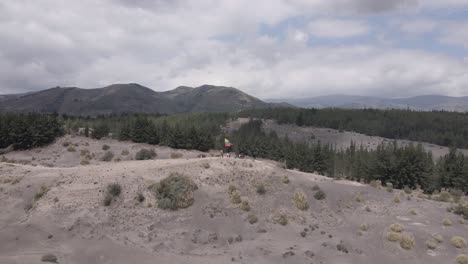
{"x": 130, "y": 98}
{"x": 422, "y": 102}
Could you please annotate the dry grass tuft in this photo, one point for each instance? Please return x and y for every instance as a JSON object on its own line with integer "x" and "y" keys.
{"x": 396, "y": 199}
{"x": 392, "y": 236}
{"x": 285, "y": 180}
{"x": 300, "y": 200}
{"x": 252, "y": 218}
{"x": 397, "y": 228}
{"x": 364, "y": 227}
{"x": 458, "y": 242}
{"x": 438, "y": 238}
{"x": 447, "y": 222}
{"x": 175, "y": 192}
{"x": 245, "y": 206}
{"x": 431, "y": 244}
{"x": 359, "y": 198}
{"x": 235, "y": 197}
{"x": 462, "y": 259}
{"x": 407, "y": 241}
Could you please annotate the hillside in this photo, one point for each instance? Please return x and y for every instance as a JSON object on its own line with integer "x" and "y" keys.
{"x": 130, "y": 98}
{"x": 52, "y": 205}
{"x": 424, "y": 102}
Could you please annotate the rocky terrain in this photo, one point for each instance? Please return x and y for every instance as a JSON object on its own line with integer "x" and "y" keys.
{"x": 52, "y": 205}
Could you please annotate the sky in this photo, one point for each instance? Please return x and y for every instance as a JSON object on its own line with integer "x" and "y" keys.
{"x": 267, "y": 48}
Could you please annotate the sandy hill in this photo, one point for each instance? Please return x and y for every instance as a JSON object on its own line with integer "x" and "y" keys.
{"x": 128, "y": 98}
{"x": 67, "y": 217}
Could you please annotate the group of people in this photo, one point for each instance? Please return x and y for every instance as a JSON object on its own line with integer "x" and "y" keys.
{"x": 235, "y": 155}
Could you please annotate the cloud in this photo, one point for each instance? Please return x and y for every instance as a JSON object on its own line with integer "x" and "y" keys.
{"x": 334, "y": 28}
{"x": 419, "y": 26}
{"x": 163, "y": 44}
{"x": 455, "y": 34}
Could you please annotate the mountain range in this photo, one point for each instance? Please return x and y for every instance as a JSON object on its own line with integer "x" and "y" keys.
{"x": 423, "y": 102}
{"x": 127, "y": 98}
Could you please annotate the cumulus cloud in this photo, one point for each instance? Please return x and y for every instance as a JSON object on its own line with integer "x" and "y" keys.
{"x": 163, "y": 44}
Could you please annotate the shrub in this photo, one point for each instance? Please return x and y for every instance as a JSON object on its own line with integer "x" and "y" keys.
{"x": 71, "y": 148}
{"x": 281, "y": 219}
{"x": 397, "y": 228}
{"x": 285, "y": 180}
{"x": 315, "y": 188}
{"x": 462, "y": 259}
{"x": 245, "y": 206}
{"x": 431, "y": 244}
{"x": 320, "y": 195}
{"x": 42, "y": 191}
{"x": 84, "y": 162}
{"x": 456, "y": 194}
{"x": 407, "y": 241}
{"x": 114, "y": 189}
{"x": 125, "y": 152}
{"x": 407, "y": 190}
{"x": 438, "y": 238}
{"x": 206, "y": 165}
{"x": 49, "y": 258}
{"x": 389, "y": 187}
{"x": 458, "y": 242}
{"x": 108, "y": 156}
{"x": 447, "y": 222}
{"x": 367, "y": 208}
{"x": 444, "y": 196}
{"x": 231, "y": 189}
{"x": 235, "y": 197}
{"x": 461, "y": 210}
{"x": 105, "y": 147}
{"x": 396, "y": 199}
{"x": 359, "y": 198}
{"x": 252, "y": 218}
{"x": 84, "y": 152}
{"x": 176, "y": 155}
{"x": 341, "y": 247}
{"x": 392, "y": 236}
{"x": 413, "y": 212}
{"x": 300, "y": 200}
{"x": 364, "y": 227}
{"x": 145, "y": 154}
{"x": 174, "y": 192}
{"x": 66, "y": 144}
{"x": 261, "y": 189}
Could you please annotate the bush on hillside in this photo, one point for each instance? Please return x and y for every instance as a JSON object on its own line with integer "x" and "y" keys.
{"x": 175, "y": 192}
{"x": 145, "y": 154}
{"x": 108, "y": 156}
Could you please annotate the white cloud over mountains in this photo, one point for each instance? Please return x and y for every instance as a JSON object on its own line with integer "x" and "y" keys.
{"x": 269, "y": 48}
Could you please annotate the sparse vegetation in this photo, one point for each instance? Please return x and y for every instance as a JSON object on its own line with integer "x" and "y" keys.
{"x": 458, "y": 242}
{"x": 231, "y": 189}
{"x": 320, "y": 195}
{"x": 49, "y": 258}
{"x": 447, "y": 222}
{"x": 359, "y": 198}
{"x": 140, "y": 197}
{"x": 285, "y": 180}
{"x": 461, "y": 210}
{"x": 105, "y": 147}
{"x": 145, "y": 154}
{"x": 315, "y": 188}
{"x": 245, "y": 206}
{"x": 341, "y": 247}
{"x": 42, "y": 191}
{"x": 407, "y": 241}
{"x": 367, "y": 208}
{"x": 125, "y": 152}
{"x": 438, "y": 238}
{"x": 281, "y": 219}
{"x": 462, "y": 259}
{"x": 375, "y": 183}
{"x": 113, "y": 190}
{"x": 364, "y": 227}
{"x": 108, "y": 156}
{"x": 407, "y": 189}
{"x": 176, "y": 155}
{"x": 235, "y": 197}
{"x": 206, "y": 165}
{"x": 431, "y": 244}
{"x": 413, "y": 212}
{"x": 252, "y": 218}
{"x": 444, "y": 196}
{"x": 393, "y": 237}
{"x": 175, "y": 192}
{"x": 84, "y": 162}
{"x": 397, "y": 228}
{"x": 71, "y": 148}
{"x": 396, "y": 199}
{"x": 300, "y": 200}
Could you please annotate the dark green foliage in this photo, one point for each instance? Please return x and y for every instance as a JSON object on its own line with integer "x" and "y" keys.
{"x": 145, "y": 154}
{"x": 100, "y": 130}
{"x": 461, "y": 210}
{"x": 49, "y": 258}
{"x": 438, "y": 127}
{"x": 25, "y": 131}
{"x": 174, "y": 192}
{"x": 105, "y": 147}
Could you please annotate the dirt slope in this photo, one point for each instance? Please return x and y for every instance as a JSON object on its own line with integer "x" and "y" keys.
{"x": 71, "y": 222}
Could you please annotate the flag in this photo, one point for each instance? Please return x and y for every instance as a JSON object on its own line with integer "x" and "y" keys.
{"x": 227, "y": 144}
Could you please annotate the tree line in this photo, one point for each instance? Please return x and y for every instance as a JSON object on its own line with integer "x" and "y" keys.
{"x": 24, "y": 131}
{"x": 403, "y": 166}
{"x": 437, "y": 127}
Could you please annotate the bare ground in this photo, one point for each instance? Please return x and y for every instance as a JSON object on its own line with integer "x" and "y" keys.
{"x": 70, "y": 221}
